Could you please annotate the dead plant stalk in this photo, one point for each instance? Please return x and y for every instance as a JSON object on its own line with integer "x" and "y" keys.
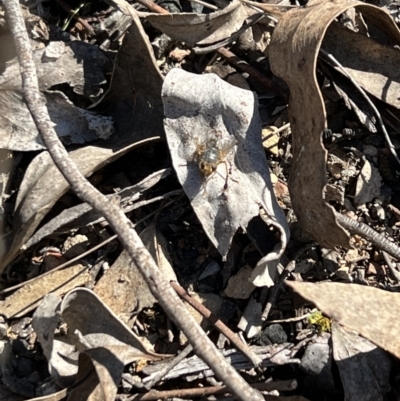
{"x": 159, "y": 287}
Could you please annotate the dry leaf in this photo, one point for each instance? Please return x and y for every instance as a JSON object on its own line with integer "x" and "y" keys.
{"x": 203, "y": 113}
{"x": 28, "y": 297}
{"x": 62, "y": 62}
{"x": 239, "y": 286}
{"x": 61, "y": 357}
{"x": 364, "y": 368}
{"x": 370, "y": 311}
{"x": 201, "y": 29}
{"x": 83, "y": 215}
{"x": 43, "y": 185}
{"x": 105, "y": 343}
{"x": 293, "y": 53}
{"x": 72, "y": 124}
{"x": 362, "y": 56}
{"x": 134, "y": 99}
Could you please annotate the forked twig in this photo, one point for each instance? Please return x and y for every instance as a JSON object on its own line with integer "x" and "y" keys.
{"x": 122, "y": 226}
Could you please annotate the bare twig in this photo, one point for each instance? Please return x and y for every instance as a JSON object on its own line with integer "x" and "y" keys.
{"x": 77, "y": 258}
{"x": 125, "y": 7}
{"x": 290, "y": 320}
{"x": 266, "y": 82}
{"x": 218, "y": 324}
{"x": 332, "y": 59}
{"x": 203, "y": 3}
{"x": 276, "y": 288}
{"x": 378, "y": 240}
{"x": 285, "y": 385}
{"x": 81, "y": 20}
{"x": 129, "y": 238}
{"x": 188, "y": 349}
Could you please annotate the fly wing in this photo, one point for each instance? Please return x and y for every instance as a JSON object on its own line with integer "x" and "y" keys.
{"x": 226, "y": 145}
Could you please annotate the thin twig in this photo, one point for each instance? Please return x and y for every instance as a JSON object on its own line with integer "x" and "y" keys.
{"x": 285, "y": 385}
{"x": 81, "y": 20}
{"x": 290, "y": 319}
{"x": 122, "y": 226}
{"x": 378, "y": 240}
{"x": 79, "y": 257}
{"x": 366, "y": 97}
{"x": 266, "y": 82}
{"x": 203, "y": 3}
{"x": 169, "y": 366}
{"x": 218, "y": 324}
{"x": 127, "y": 8}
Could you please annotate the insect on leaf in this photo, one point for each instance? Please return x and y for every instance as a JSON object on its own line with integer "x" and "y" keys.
{"x": 214, "y": 135}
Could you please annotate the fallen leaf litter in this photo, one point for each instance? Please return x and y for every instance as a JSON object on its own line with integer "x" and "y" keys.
{"x": 240, "y": 208}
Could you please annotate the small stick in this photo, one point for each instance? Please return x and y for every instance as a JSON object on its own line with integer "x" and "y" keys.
{"x": 203, "y": 3}
{"x": 188, "y": 349}
{"x": 218, "y": 324}
{"x": 277, "y": 287}
{"x": 153, "y": 395}
{"x": 378, "y": 240}
{"x": 76, "y": 258}
{"x": 289, "y": 320}
{"x": 74, "y": 15}
{"x": 266, "y": 82}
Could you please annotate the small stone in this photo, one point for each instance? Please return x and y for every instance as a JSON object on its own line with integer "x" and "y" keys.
{"x": 273, "y": 334}
{"x": 317, "y": 355}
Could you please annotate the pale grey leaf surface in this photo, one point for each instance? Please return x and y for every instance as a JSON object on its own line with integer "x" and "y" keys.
{"x": 72, "y": 124}
{"x": 200, "y": 109}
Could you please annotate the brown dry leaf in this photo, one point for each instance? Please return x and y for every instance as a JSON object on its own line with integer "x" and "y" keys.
{"x": 28, "y": 297}
{"x": 43, "y": 185}
{"x": 204, "y": 112}
{"x": 105, "y": 342}
{"x": 364, "y": 368}
{"x": 123, "y": 288}
{"x": 270, "y": 139}
{"x": 293, "y": 54}
{"x": 362, "y": 57}
{"x": 99, "y": 372}
{"x": 370, "y": 311}
{"x": 201, "y": 29}
{"x": 239, "y": 286}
